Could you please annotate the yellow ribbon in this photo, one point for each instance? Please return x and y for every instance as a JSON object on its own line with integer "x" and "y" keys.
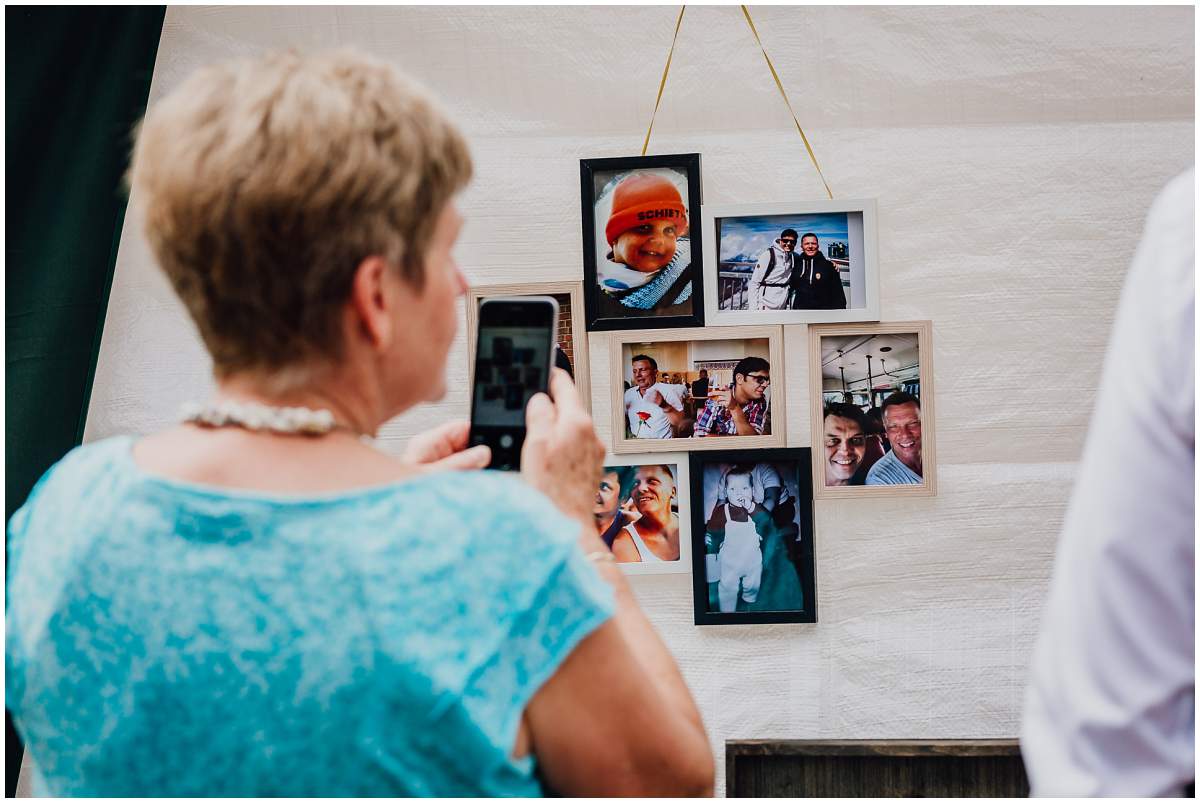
{"x": 779, "y": 84}
{"x": 663, "y": 83}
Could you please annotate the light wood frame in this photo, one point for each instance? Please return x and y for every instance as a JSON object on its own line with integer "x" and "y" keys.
{"x": 683, "y": 492}
{"x": 774, "y": 337}
{"x": 924, "y": 332}
{"x": 712, "y": 262}
{"x": 579, "y": 339}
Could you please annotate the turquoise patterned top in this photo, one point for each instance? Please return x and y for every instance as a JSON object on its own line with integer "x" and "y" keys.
{"x": 169, "y": 639}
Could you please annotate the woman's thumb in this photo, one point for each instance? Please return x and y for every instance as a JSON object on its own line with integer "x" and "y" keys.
{"x": 467, "y": 460}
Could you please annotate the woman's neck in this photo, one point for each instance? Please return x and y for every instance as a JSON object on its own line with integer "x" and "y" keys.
{"x": 354, "y": 405}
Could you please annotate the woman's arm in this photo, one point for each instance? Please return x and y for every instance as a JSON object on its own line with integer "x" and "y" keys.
{"x": 616, "y": 718}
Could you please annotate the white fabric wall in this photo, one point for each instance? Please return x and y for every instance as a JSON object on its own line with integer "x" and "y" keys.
{"x": 1013, "y": 153}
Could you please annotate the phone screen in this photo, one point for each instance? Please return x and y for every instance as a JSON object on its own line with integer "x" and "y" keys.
{"x": 509, "y": 369}
{"x": 513, "y": 357}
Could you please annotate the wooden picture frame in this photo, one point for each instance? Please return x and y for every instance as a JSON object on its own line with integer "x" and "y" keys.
{"x": 683, "y": 495}
{"x": 846, "y": 232}
{"x": 600, "y": 181}
{"x": 623, "y": 443}
{"x": 786, "y": 574}
{"x": 858, "y": 340}
{"x": 875, "y": 768}
{"x": 578, "y": 332}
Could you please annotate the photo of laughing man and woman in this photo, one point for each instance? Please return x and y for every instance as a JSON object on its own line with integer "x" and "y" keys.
{"x": 757, "y": 547}
{"x": 637, "y": 512}
{"x": 697, "y": 389}
{"x": 872, "y": 420}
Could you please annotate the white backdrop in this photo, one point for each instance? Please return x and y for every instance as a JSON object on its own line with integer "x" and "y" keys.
{"x": 1013, "y": 153}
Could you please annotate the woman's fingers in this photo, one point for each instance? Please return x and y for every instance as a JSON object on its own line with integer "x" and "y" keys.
{"x": 562, "y": 454}
{"x": 455, "y": 433}
{"x": 540, "y": 415}
{"x": 563, "y": 390}
{"x": 476, "y": 457}
{"x": 437, "y": 443}
{"x": 572, "y": 418}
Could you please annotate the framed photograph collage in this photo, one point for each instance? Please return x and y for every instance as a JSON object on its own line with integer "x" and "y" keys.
{"x": 693, "y": 301}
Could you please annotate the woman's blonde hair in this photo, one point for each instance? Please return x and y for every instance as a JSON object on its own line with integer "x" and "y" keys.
{"x": 266, "y": 182}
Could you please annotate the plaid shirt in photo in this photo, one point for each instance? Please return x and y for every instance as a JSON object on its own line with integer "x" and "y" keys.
{"x": 715, "y": 419}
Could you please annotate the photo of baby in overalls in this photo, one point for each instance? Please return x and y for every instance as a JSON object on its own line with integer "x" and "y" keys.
{"x": 747, "y": 549}
{"x": 739, "y": 558}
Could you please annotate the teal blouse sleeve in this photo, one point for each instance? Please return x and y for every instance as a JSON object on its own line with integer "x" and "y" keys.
{"x": 513, "y": 595}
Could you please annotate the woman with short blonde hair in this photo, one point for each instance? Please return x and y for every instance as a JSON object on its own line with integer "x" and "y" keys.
{"x": 257, "y": 601}
{"x": 265, "y": 182}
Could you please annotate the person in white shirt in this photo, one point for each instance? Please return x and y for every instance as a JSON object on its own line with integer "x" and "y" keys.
{"x": 1110, "y": 708}
{"x": 653, "y": 536}
{"x": 769, "y": 285}
{"x": 903, "y": 465}
{"x": 654, "y": 409}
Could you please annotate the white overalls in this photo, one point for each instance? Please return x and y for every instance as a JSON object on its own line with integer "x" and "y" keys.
{"x": 741, "y": 560}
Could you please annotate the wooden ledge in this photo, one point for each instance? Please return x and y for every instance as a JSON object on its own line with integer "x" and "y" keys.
{"x": 873, "y": 747}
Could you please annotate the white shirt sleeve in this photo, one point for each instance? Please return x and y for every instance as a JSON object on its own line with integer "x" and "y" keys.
{"x": 767, "y": 476}
{"x": 754, "y": 283}
{"x": 672, "y": 394}
{"x": 1110, "y": 708}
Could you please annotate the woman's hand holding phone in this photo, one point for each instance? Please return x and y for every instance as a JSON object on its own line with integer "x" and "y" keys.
{"x": 444, "y": 448}
{"x": 562, "y": 456}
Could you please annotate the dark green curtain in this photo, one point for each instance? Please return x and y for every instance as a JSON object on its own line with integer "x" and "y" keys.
{"x": 76, "y": 81}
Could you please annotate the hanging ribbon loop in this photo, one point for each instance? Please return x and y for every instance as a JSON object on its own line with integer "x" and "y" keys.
{"x": 779, "y": 85}
{"x": 663, "y": 83}
{"x": 770, "y": 66}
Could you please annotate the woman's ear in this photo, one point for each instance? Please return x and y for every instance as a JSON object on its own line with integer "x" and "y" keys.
{"x": 371, "y": 301}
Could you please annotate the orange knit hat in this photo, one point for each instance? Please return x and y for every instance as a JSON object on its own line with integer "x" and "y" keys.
{"x": 643, "y": 197}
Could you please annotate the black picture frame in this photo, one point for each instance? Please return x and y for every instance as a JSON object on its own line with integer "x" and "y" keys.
{"x": 590, "y": 170}
{"x": 801, "y": 459}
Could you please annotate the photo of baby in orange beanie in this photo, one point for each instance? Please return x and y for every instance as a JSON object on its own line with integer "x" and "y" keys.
{"x": 648, "y": 218}
{"x": 643, "y": 252}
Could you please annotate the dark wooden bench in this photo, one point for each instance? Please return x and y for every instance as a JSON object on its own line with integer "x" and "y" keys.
{"x": 874, "y": 768}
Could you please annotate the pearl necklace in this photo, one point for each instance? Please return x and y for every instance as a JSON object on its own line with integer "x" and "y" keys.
{"x": 260, "y": 417}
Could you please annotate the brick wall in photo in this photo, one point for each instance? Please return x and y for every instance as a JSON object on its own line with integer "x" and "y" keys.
{"x": 563, "y": 337}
